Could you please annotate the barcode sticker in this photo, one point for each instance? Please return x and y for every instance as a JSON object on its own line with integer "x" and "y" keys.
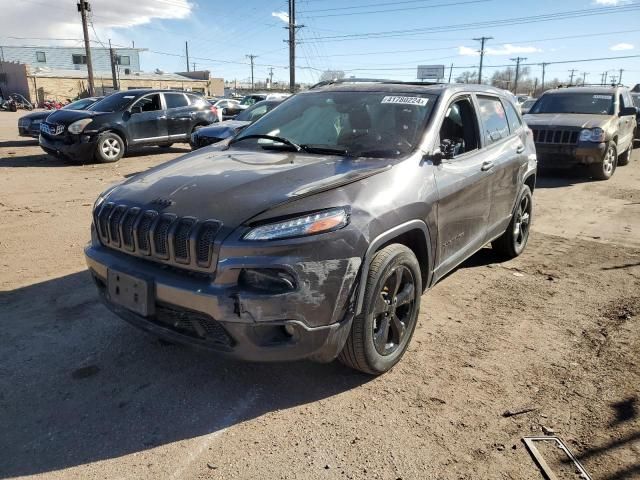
{"x": 406, "y": 100}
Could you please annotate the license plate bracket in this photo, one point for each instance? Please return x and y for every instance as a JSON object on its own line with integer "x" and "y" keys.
{"x": 130, "y": 292}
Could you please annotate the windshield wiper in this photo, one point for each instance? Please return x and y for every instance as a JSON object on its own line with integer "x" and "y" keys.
{"x": 326, "y": 149}
{"x": 268, "y": 137}
{"x": 380, "y": 153}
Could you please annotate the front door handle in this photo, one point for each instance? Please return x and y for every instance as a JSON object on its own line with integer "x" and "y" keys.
{"x": 520, "y": 149}
{"x": 486, "y": 166}
{"x": 164, "y": 117}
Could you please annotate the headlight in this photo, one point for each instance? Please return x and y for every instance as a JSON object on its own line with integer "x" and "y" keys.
{"x": 324, "y": 221}
{"x": 592, "y": 135}
{"x": 79, "y": 126}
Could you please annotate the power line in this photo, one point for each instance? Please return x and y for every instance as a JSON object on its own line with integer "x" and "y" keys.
{"x": 401, "y": 9}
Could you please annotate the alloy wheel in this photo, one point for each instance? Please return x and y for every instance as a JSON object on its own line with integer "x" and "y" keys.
{"x": 523, "y": 221}
{"x": 110, "y": 148}
{"x": 393, "y": 310}
{"x": 609, "y": 161}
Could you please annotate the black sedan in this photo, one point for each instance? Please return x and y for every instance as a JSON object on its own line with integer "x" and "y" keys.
{"x": 29, "y": 125}
{"x": 227, "y": 129}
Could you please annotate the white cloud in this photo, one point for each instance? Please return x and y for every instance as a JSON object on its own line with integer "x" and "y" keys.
{"x": 611, "y": 2}
{"x": 25, "y": 19}
{"x": 284, "y": 16}
{"x": 621, "y": 46}
{"x": 506, "y": 49}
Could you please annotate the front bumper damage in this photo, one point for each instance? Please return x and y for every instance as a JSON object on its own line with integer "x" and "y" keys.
{"x": 220, "y": 313}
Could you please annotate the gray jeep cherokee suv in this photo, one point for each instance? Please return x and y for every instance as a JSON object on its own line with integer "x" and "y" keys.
{"x": 584, "y": 125}
{"x": 314, "y": 232}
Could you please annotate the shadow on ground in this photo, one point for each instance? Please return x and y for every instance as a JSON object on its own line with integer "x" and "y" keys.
{"x": 79, "y": 385}
{"x": 19, "y": 143}
{"x": 556, "y": 178}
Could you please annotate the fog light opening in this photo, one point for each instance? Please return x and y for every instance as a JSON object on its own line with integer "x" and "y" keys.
{"x": 290, "y": 329}
{"x": 269, "y": 280}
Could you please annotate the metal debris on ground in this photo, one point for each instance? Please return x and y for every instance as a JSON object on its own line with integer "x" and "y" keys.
{"x": 548, "y": 473}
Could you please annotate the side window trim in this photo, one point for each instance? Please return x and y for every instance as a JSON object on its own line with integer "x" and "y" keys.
{"x": 471, "y": 99}
{"x": 506, "y": 105}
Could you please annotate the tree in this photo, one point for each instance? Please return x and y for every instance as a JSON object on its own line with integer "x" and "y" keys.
{"x": 467, "y": 77}
{"x": 332, "y": 75}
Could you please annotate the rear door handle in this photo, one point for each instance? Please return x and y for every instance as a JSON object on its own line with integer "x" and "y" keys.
{"x": 486, "y": 166}
{"x": 520, "y": 149}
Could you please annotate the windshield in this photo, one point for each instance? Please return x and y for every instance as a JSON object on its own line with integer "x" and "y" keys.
{"x": 113, "y": 103}
{"x": 636, "y": 100}
{"x": 575, "y": 102}
{"x": 529, "y": 103}
{"x": 251, "y": 99}
{"x": 374, "y": 124}
{"x": 256, "y": 111}
{"x": 79, "y": 104}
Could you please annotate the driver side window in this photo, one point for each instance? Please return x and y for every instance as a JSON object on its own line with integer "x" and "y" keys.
{"x": 149, "y": 103}
{"x": 459, "y": 130}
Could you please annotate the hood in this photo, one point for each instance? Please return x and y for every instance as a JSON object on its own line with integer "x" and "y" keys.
{"x": 235, "y": 185}
{"x": 67, "y": 117}
{"x": 223, "y": 129}
{"x": 578, "y": 120}
{"x": 36, "y": 116}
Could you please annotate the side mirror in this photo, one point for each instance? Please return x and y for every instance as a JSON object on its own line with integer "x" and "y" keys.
{"x": 628, "y": 111}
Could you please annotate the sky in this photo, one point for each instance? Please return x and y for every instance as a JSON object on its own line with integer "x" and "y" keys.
{"x": 364, "y": 38}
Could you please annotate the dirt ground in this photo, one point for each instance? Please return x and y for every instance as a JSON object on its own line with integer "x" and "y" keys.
{"x": 85, "y": 395}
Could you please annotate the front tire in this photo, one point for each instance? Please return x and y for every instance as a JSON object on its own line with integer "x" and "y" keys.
{"x": 109, "y": 148}
{"x": 604, "y": 169}
{"x": 514, "y": 240}
{"x": 381, "y": 333}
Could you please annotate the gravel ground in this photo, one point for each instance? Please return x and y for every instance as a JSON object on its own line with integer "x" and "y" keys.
{"x": 84, "y": 395}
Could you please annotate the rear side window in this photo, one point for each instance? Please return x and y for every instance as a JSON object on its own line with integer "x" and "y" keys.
{"x": 494, "y": 119}
{"x": 512, "y": 117}
{"x": 175, "y": 100}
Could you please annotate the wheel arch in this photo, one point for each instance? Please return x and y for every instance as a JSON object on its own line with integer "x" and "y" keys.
{"x": 415, "y": 236}
{"x": 530, "y": 181}
{"x": 120, "y": 132}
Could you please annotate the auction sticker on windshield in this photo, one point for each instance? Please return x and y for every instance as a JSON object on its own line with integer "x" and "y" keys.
{"x": 406, "y": 100}
{"x": 603, "y": 97}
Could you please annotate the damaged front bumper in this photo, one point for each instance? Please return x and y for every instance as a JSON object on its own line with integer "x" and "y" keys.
{"x": 230, "y": 313}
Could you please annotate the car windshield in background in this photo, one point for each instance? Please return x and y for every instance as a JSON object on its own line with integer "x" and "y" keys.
{"x": 256, "y": 111}
{"x": 529, "y": 103}
{"x": 587, "y": 103}
{"x": 79, "y": 104}
{"x": 636, "y": 100}
{"x": 113, "y": 103}
{"x": 374, "y": 124}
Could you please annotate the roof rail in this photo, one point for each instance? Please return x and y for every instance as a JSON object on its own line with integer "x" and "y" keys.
{"x": 591, "y": 85}
{"x": 336, "y": 81}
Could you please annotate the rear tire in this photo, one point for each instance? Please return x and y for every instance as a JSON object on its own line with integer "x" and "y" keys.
{"x": 625, "y": 158}
{"x": 604, "y": 169}
{"x": 109, "y": 148}
{"x": 514, "y": 240}
{"x": 381, "y": 333}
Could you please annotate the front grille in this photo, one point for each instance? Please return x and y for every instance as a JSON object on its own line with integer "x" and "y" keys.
{"x": 165, "y": 238}
{"x": 555, "y": 136}
{"x": 192, "y": 323}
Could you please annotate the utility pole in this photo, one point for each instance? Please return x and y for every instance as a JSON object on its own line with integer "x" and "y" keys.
{"x": 517, "y": 60}
{"x": 271, "y": 77}
{"x": 83, "y": 8}
{"x": 606, "y": 74}
{"x": 292, "y": 27}
{"x": 194, "y": 66}
{"x": 252, "y": 58}
{"x": 620, "y": 76}
{"x": 450, "y": 72}
{"x": 544, "y": 70}
{"x": 114, "y": 77}
{"x": 482, "y": 40}
{"x": 573, "y": 72}
{"x": 186, "y": 49}
{"x": 584, "y": 77}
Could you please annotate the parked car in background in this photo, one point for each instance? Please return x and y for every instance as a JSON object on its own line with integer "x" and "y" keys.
{"x": 221, "y": 131}
{"x": 226, "y": 108}
{"x": 29, "y": 125}
{"x": 316, "y": 230}
{"x": 636, "y": 102}
{"x": 591, "y": 126}
{"x": 526, "y": 105}
{"x": 108, "y": 128}
{"x": 522, "y": 98}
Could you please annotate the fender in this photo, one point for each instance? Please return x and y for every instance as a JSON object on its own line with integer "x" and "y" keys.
{"x": 383, "y": 238}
